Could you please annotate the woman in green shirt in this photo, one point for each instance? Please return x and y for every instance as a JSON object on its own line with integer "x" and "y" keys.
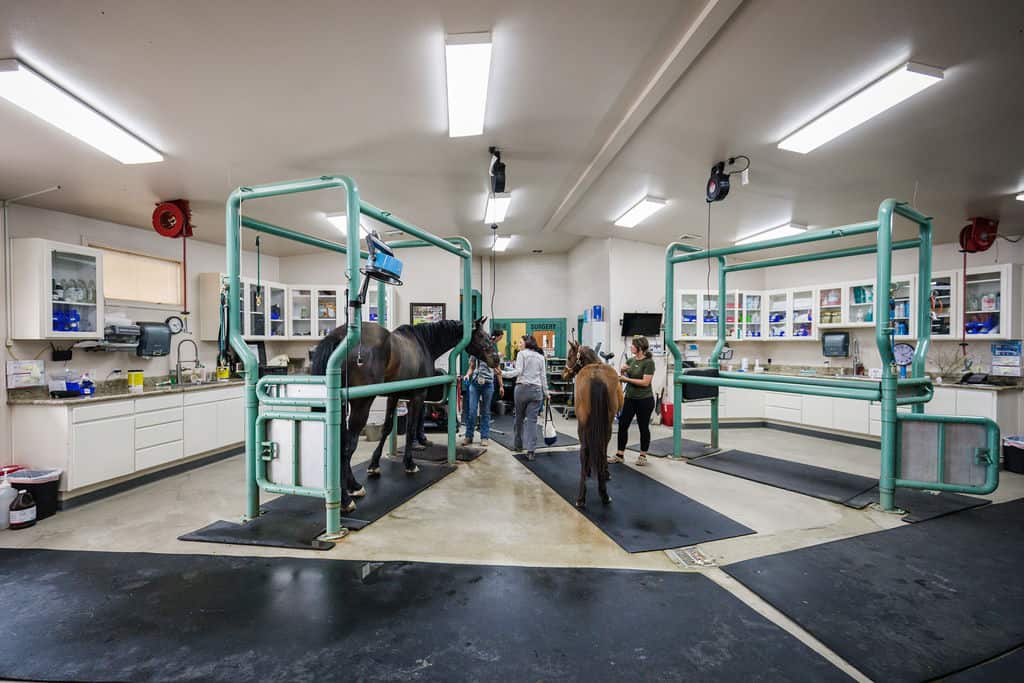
{"x": 637, "y": 373}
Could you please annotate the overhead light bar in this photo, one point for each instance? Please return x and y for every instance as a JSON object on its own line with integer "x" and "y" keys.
{"x": 640, "y": 212}
{"x": 1020, "y": 197}
{"x": 497, "y": 207}
{"x": 467, "y": 62}
{"x": 785, "y": 230}
{"x": 501, "y": 243}
{"x": 888, "y": 91}
{"x": 25, "y": 88}
{"x": 340, "y": 221}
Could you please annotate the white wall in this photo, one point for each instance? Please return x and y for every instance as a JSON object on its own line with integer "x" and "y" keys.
{"x": 531, "y": 286}
{"x": 589, "y": 264}
{"x": 203, "y": 257}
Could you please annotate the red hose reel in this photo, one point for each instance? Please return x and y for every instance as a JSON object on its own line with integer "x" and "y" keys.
{"x": 978, "y": 235}
{"x": 173, "y": 218}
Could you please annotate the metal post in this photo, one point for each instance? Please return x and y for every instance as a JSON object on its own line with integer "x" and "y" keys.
{"x": 924, "y": 319}
{"x": 883, "y": 339}
{"x": 719, "y": 345}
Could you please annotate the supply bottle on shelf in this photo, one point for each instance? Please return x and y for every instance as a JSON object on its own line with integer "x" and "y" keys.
{"x": 23, "y": 511}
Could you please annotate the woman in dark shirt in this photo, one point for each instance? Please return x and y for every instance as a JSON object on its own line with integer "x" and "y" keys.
{"x": 637, "y": 374}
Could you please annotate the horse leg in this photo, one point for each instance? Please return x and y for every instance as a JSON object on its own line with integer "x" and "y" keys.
{"x": 389, "y": 419}
{"x": 581, "y": 497}
{"x": 414, "y": 417}
{"x": 359, "y": 412}
{"x": 602, "y": 474}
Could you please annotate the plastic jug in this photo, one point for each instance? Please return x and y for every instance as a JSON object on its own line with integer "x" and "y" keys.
{"x": 7, "y": 496}
{"x": 23, "y": 511}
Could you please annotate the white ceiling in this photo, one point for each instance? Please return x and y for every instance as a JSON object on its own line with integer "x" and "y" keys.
{"x": 248, "y": 92}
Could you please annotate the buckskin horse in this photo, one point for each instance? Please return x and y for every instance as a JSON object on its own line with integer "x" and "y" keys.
{"x": 407, "y": 352}
{"x": 598, "y": 399}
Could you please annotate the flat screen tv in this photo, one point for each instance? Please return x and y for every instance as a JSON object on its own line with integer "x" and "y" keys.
{"x": 644, "y": 324}
{"x": 835, "y": 344}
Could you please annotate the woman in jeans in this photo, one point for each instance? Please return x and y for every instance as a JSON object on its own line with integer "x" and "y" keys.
{"x": 481, "y": 381}
{"x": 531, "y": 390}
{"x": 637, "y": 373}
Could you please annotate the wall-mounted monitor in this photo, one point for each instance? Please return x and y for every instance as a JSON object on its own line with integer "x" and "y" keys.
{"x": 835, "y": 344}
{"x": 644, "y": 324}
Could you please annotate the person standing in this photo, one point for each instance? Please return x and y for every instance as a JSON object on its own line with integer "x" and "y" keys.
{"x": 637, "y": 373}
{"x": 481, "y": 379}
{"x": 531, "y": 378}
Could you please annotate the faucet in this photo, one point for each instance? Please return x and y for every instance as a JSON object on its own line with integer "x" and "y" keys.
{"x": 195, "y": 360}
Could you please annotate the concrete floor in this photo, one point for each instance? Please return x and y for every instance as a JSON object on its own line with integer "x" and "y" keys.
{"x": 494, "y": 511}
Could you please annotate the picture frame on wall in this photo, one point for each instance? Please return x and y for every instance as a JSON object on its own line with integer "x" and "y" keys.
{"x": 426, "y": 313}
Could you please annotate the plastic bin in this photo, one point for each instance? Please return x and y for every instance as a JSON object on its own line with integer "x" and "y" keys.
{"x": 1013, "y": 453}
{"x": 43, "y": 485}
{"x": 10, "y": 469}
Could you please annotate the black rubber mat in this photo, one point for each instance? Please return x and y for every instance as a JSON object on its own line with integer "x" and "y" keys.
{"x": 818, "y": 482}
{"x": 502, "y": 431}
{"x": 151, "y": 617}
{"x": 296, "y": 521}
{"x": 908, "y": 604}
{"x": 438, "y": 452}
{"x": 920, "y": 505}
{"x": 662, "y": 448}
{"x": 1008, "y": 667}
{"x": 644, "y": 514}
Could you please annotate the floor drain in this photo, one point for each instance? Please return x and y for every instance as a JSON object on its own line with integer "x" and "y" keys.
{"x": 690, "y": 558}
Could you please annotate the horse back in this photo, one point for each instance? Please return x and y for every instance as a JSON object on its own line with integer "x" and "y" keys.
{"x": 605, "y": 375}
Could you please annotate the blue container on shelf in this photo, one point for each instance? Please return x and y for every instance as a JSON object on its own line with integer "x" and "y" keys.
{"x": 597, "y": 313}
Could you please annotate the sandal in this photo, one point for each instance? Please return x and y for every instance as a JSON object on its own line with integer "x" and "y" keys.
{"x": 641, "y": 460}
{"x": 617, "y": 458}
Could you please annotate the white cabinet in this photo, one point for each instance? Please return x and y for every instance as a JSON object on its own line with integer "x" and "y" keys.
{"x": 778, "y": 315}
{"x": 850, "y": 415}
{"x": 688, "y": 318}
{"x": 300, "y": 312}
{"x": 101, "y": 450}
{"x": 743, "y": 403}
{"x": 944, "y": 305}
{"x": 751, "y": 315}
{"x": 214, "y": 419}
{"x": 230, "y": 422}
{"x": 58, "y": 290}
{"x": 988, "y": 297}
{"x": 200, "y": 429}
{"x": 816, "y": 411}
{"x": 803, "y": 314}
{"x": 783, "y": 407}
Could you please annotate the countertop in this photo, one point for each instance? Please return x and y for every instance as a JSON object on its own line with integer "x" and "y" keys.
{"x": 38, "y": 396}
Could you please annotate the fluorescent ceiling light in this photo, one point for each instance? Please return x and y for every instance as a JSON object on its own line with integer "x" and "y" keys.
{"x": 640, "y": 211}
{"x": 1020, "y": 197}
{"x": 33, "y": 93}
{"x": 501, "y": 243}
{"x": 888, "y": 91}
{"x": 340, "y": 221}
{"x": 497, "y": 207}
{"x": 467, "y": 62}
{"x": 785, "y": 230}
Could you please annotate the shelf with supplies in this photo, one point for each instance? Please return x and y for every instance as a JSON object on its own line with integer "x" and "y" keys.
{"x": 559, "y": 397}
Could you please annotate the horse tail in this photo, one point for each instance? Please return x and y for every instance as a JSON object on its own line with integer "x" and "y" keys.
{"x": 324, "y": 349}
{"x": 598, "y": 428}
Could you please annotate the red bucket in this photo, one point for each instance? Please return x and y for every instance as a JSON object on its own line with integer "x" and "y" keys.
{"x": 666, "y": 414}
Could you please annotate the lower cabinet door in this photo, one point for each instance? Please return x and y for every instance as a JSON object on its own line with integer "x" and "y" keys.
{"x": 200, "y": 433}
{"x": 101, "y": 450}
{"x": 158, "y": 455}
{"x": 230, "y": 421}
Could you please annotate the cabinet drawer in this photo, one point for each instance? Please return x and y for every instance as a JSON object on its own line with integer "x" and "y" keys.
{"x": 157, "y": 417}
{"x": 158, "y": 455}
{"x": 790, "y": 401}
{"x": 212, "y": 395}
{"x": 700, "y": 410}
{"x": 151, "y": 436}
{"x": 975, "y": 403}
{"x": 783, "y": 414}
{"x": 101, "y": 411}
{"x": 143, "y": 405}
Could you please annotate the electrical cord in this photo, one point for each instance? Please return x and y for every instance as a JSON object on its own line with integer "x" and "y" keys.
{"x": 494, "y": 277}
{"x": 732, "y": 160}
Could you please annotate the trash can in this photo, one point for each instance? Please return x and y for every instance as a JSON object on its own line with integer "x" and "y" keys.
{"x": 43, "y": 485}
{"x": 1013, "y": 453}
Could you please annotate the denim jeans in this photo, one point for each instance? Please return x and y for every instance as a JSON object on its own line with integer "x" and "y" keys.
{"x": 465, "y": 404}
{"x": 479, "y": 397}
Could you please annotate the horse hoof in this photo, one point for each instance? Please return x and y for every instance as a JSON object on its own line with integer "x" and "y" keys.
{"x": 358, "y": 493}
{"x": 351, "y": 507}
{"x": 373, "y": 472}
{"x": 412, "y": 470}
{"x": 606, "y": 500}
{"x": 581, "y": 504}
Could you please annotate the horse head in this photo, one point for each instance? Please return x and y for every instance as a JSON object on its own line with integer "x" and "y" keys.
{"x": 482, "y": 345}
{"x": 572, "y": 360}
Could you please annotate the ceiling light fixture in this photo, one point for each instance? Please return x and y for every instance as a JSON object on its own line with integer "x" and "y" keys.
{"x": 1020, "y": 197}
{"x": 340, "y": 221}
{"x": 886, "y": 92}
{"x": 784, "y": 230}
{"x": 501, "y": 243}
{"x": 25, "y": 88}
{"x": 640, "y": 211}
{"x": 467, "y": 63}
{"x": 497, "y": 207}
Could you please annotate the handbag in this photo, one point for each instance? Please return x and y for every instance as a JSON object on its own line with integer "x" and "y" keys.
{"x": 550, "y": 435}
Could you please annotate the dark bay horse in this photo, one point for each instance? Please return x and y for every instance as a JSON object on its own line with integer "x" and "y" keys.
{"x": 408, "y": 352}
{"x": 598, "y": 398}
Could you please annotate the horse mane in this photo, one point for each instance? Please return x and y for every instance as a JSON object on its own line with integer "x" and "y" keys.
{"x": 588, "y": 355}
{"x": 438, "y": 337}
